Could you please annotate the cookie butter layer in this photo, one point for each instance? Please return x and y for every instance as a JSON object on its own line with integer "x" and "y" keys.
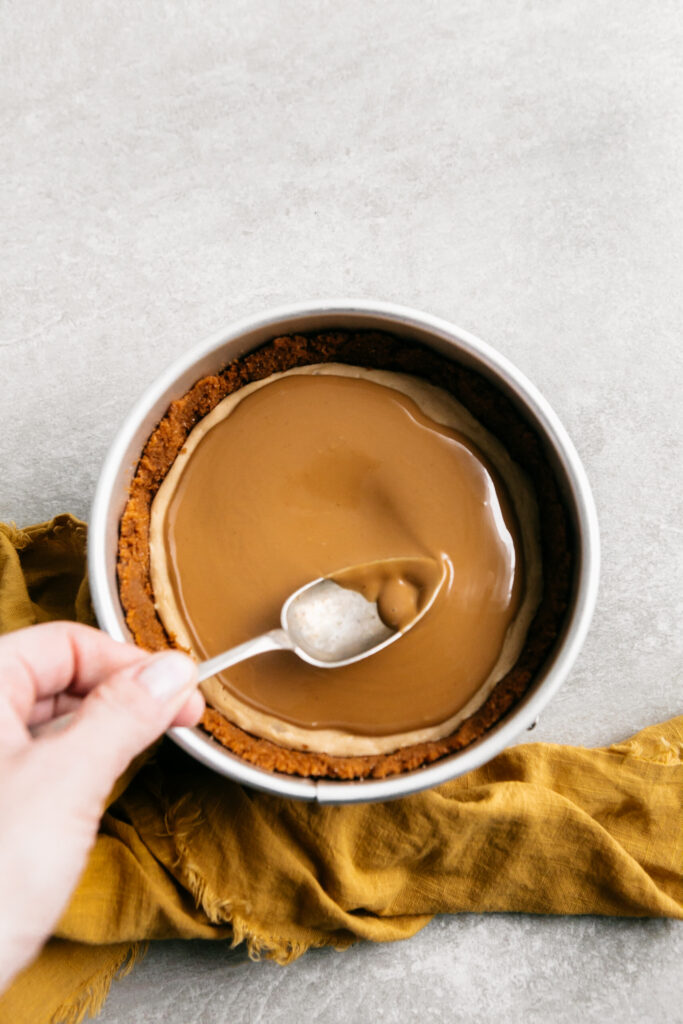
{"x": 259, "y": 529}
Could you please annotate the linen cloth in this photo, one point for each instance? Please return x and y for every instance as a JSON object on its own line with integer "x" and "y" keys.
{"x": 184, "y": 853}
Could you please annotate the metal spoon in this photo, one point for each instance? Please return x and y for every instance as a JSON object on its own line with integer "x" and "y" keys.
{"x": 325, "y": 624}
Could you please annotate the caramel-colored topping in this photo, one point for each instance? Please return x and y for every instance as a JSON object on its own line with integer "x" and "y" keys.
{"x": 402, "y": 588}
{"x": 310, "y": 474}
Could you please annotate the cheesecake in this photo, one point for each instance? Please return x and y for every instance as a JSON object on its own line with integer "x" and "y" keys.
{"x": 318, "y": 453}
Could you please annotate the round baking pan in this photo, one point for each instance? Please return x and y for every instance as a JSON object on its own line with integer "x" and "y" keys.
{"x": 235, "y": 340}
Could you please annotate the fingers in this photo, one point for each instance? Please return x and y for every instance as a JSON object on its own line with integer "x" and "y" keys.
{"x": 121, "y": 717}
{"x": 63, "y": 704}
{"x": 48, "y": 708}
{"x": 40, "y": 661}
{"x": 49, "y": 670}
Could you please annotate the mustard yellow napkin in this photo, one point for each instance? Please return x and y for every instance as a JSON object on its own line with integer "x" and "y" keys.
{"x": 543, "y": 829}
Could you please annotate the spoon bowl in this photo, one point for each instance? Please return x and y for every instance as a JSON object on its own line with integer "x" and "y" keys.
{"x": 331, "y": 626}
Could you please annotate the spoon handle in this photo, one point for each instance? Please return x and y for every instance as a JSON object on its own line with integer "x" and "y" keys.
{"x": 275, "y": 640}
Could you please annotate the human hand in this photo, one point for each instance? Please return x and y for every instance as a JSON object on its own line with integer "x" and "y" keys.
{"x": 53, "y": 789}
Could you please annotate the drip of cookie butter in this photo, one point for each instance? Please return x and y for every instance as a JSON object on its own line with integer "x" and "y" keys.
{"x": 402, "y": 588}
{"x": 329, "y": 466}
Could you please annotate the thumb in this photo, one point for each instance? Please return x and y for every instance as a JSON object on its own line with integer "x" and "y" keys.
{"x": 122, "y": 715}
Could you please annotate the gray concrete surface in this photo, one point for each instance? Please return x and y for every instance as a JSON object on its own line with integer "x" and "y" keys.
{"x": 513, "y": 166}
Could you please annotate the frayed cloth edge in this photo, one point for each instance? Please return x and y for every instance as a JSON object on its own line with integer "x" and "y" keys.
{"x": 260, "y": 944}
{"x": 91, "y": 996}
{"x": 22, "y": 537}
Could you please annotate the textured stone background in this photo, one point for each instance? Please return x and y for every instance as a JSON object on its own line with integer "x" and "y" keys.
{"x": 513, "y": 166}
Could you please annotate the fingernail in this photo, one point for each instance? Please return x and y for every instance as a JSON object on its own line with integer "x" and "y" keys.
{"x": 167, "y": 675}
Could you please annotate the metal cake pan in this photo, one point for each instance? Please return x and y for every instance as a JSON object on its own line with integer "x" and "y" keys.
{"x": 240, "y": 337}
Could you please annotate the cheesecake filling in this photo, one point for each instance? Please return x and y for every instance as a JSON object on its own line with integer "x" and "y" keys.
{"x": 326, "y": 467}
